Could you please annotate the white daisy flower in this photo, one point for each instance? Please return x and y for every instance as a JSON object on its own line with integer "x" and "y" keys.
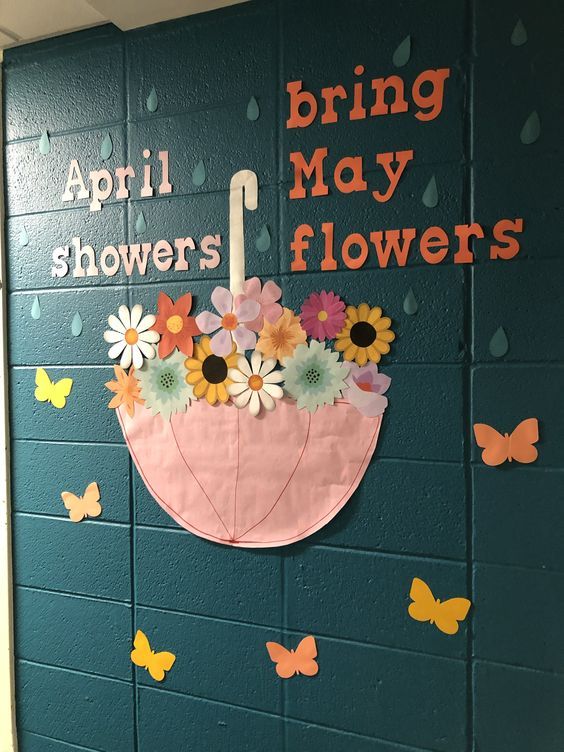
{"x": 131, "y": 336}
{"x": 255, "y": 383}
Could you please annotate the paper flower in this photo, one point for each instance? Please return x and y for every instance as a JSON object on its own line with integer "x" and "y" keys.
{"x": 323, "y": 315}
{"x": 131, "y": 336}
{"x": 366, "y": 388}
{"x": 255, "y": 384}
{"x": 266, "y": 297}
{"x": 174, "y": 325}
{"x": 279, "y": 340}
{"x": 314, "y": 376}
{"x": 208, "y": 372}
{"x": 232, "y": 323}
{"x": 163, "y": 386}
{"x": 126, "y": 390}
{"x": 366, "y": 335}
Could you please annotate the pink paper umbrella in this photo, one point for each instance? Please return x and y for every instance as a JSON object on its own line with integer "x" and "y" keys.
{"x": 248, "y": 481}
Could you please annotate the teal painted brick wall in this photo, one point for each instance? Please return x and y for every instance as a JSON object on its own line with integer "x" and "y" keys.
{"x": 427, "y": 506}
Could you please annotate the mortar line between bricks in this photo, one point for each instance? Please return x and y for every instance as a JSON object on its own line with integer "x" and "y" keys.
{"x": 469, "y": 336}
{"x": 71, "y": 745}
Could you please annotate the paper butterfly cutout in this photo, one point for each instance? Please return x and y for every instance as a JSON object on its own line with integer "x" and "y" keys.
{"x": 298, "y": 661}
{"x": 517, "y": 446}
{"x": 155, "y": 663}
{"x": 48, "y": 391}
{"x": 445, "y": 616}
{"x": 83, "y": 506}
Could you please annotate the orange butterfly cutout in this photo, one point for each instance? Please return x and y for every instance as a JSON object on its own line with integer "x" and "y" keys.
{"x": 83, "y": 506}
{"x": 425, "y": 607}
{"x": 516, "y": 446}
{"x": 298, "y": 661}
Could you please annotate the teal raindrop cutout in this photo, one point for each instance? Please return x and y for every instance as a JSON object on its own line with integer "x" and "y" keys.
{"x": 262, "y": 243}
{"x": 410, "y": 304}
{"x": 140, "y": 224}
{"x": 24, "y": 238}
{"x": 499, "y": 344}
{"x": 152, "y": 101}
{"x": 107, "y": 147}
{"x": 253, "y": 110}
{"x": 403, "y": 53}
{"x": 199, "y": 174}
{"x": 431, "y": 195}
{"x": 35, "y": 309}
{"x": 519, "y": 34}
{"x": 76, "y": 325}
{"x": 44, "y": 144}
{"x": 531, "y": 129}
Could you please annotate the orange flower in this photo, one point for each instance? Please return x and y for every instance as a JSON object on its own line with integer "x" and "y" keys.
{"x": 174, "y": 325}
{"x": 279, "y": 340}
{"x": 126, "y": 390}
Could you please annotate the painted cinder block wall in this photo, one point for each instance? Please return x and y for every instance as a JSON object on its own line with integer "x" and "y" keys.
{"x": 427, "y": 506}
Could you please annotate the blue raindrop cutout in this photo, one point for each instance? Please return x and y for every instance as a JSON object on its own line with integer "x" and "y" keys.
{"x": 76, "y": 325}
{"x": 35, "y": 309}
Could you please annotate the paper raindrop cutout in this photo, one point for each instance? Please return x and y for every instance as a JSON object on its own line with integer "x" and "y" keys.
{"x": 425, "y": 607}
{"x": 253, "y": 109}
{"x": 531, "y": 129}
{"x": 24, "y": 238}
{"x": 107, "y": 147}
{"x": 431, "y": 194}
{"x": 410, "y": 305}
{"x": 402, "y": 53}
{"x": 499, "y": 344}
{"x": 199, "y": 174}
{"x": 152, "y": 101}
{"x": 44, "y": 144}
{"x": 76, "y": 325}
{"x": 35, "y": 309}
{"x": 262, "y": 243}
{"x": 518, "y": 445}
{"x": 140, "y": 224}
{"x": 519, "y": 34}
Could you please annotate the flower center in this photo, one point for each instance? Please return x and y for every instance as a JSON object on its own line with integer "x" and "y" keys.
{"x": 322, "y": 316}
{"x": 312, "y": 376}
{"x": 363, "y": 334}
{"x": 366, "y": 386}
{"x": 174, "y": 324}
{"x": 214, "y": 369}
{"x": 256, "y": 382}
{"x": 167, "y": 380}
{"x": 131, "y": 336}
{"x": 229, "y": 322}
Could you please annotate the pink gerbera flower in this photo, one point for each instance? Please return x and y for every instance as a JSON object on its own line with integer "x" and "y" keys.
{"x": 323, "y": 315}
{"x": 267, "y": 298}
{"x": 232, "y": 322}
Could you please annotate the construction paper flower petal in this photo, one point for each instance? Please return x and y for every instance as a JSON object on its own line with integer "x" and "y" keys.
{"x": 222, "y": 300}
{"x": 208, "y": 322}
{"x": 245, "y": 339}
{"x": 247, "y": 311}
{"x": 221, "y": 343}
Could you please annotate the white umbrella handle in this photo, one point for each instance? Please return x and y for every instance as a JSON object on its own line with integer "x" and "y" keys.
{"x": 243, "y": 188}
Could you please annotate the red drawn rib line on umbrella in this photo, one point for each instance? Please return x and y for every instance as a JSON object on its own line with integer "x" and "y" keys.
{"x": 319, "y": 524}
{"x": 230, "y": 537}
{"x": 285, "y": 485}
{"x": 174, "y": 514}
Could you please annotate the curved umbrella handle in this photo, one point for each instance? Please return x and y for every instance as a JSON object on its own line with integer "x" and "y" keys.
{"x": 243, "y": 194}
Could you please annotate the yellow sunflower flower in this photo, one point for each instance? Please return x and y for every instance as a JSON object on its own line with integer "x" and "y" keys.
{"x": 207, "y": 372}
{"x": 366, "y": 335}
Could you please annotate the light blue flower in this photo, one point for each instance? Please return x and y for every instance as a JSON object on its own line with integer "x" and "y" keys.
{"x": 314, "y": 376}
{"x": 163, "y": 385}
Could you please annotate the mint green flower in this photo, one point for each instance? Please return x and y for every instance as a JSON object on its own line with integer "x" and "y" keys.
{"x": 163, "y": 385}
{"x": 314, "y": 376}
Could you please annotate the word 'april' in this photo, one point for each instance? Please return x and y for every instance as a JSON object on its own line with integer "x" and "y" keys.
{"x": 164, "y": 255}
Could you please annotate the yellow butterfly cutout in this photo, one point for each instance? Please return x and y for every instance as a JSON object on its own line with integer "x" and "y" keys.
{"x": 444, "y": 615}
{"x": 83, "y": 506}
{"x": 48, "y": 391}
{"x": 155, "y": 663}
